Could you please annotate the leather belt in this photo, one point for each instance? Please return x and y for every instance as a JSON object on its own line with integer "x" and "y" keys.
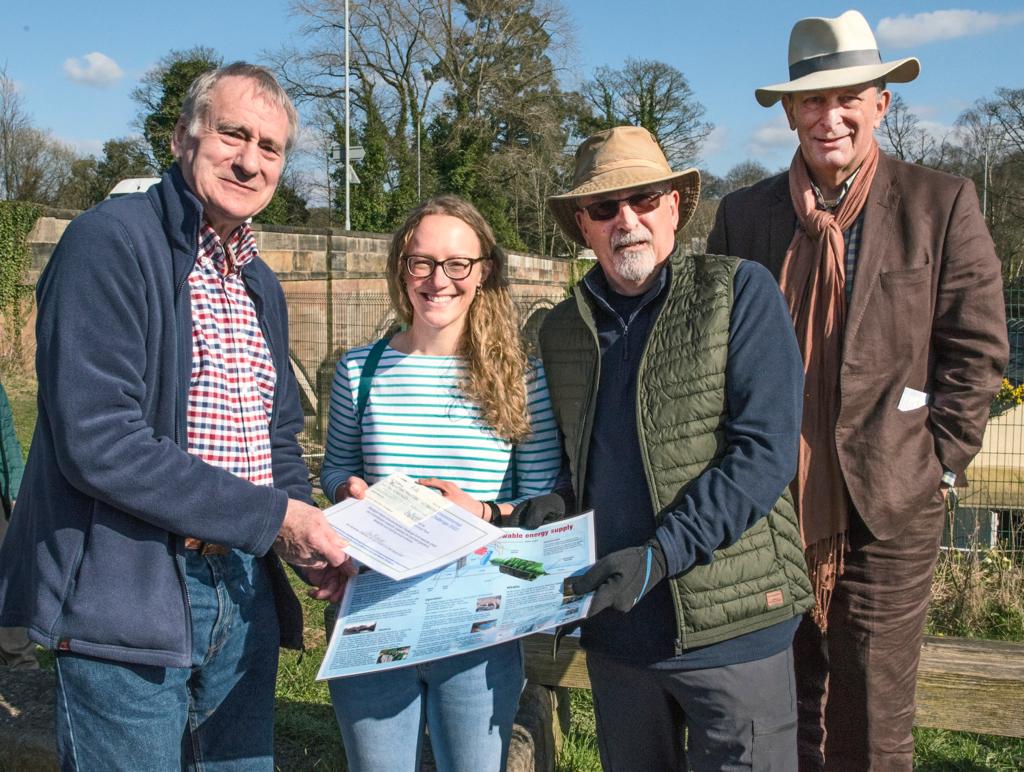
{"x": 205, "y": 547}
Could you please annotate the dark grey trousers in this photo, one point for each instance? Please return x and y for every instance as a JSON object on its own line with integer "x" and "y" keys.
{"x": 735, "y": 717}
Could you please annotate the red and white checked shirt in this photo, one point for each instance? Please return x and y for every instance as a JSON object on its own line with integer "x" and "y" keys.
{"x": 231, "y": 394}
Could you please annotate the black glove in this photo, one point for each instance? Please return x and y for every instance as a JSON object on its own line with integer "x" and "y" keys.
{"x": 533, "y": 513}
{"x": 622, "y": 578}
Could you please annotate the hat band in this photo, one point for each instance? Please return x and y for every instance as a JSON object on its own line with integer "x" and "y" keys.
{"x": 834, "y": 61}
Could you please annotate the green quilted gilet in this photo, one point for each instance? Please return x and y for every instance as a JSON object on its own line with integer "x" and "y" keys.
{"x": 761, "y": 579}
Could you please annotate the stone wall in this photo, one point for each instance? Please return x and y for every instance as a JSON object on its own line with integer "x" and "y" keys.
{"x": 337, "y": 294}
{"x": 304, "y": 258}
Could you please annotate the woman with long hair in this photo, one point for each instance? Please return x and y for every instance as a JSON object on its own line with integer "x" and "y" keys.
{"x": 453, "y": 400}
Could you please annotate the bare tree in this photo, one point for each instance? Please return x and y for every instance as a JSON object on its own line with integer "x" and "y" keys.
{"x": 904, "y": 137}
{"x": 983, "y": 142}
{"x": 388, "y": 47}
{"x": 41, "y": 166}
{"x": 14, "y": 121}
{"x": 991, "y": 151}
{"x": 1007, "y": 108}
{"x": 390, "y": 65}
{"x": 744, "y": 174}
{"x": 654, "y": 95}
{"x": 33, "y": 165}
{"x": 465, "y": 91}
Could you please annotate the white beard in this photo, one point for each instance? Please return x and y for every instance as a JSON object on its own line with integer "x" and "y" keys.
{"x": 638, "y": 263}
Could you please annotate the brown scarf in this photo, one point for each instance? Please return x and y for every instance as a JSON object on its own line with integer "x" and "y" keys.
{"x": 813, "y": 282}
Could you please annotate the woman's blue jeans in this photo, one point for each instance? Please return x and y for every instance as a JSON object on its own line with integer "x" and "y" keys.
{"x": 468, "y": 702}
{"x": 216, "y": 715}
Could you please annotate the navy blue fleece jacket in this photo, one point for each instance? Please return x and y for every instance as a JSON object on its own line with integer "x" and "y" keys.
{"x": 110, "y": 489}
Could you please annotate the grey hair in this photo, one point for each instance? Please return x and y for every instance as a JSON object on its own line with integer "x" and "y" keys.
{"x": 196, "y": 105}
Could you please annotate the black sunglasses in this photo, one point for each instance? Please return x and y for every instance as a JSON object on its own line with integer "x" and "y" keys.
{"x": 641, "y": 203}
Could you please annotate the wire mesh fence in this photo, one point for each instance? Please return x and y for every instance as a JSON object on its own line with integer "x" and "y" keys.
{"x": 990, "y": 509}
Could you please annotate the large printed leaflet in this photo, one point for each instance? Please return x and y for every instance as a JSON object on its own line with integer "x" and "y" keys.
{"x": 497, "y": 593}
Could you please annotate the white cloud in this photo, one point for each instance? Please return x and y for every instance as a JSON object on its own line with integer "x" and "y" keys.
{"x": 772, "y": 139}
{"x": 936, "y": 129}
{"x": 715, "y": 142}
{"x": 904, "y": 31}
{"x": 83, "y": 147}
{"x": 93, "y": 69}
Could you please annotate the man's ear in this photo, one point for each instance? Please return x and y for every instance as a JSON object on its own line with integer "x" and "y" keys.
{"x": 579, "y": 224}
{"x": 178, "y": 139}
{"x": 883, "y": 98}
{"x": 788, "y": 107}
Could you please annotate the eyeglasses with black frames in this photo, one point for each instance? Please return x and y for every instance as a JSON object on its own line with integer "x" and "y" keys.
{"x": 641, "y": 203}
{"x": 422, "y": 266}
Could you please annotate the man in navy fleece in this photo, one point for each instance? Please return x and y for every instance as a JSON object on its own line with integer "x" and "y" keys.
{"x": 164, "y": 473}
{"x": 676, "y": 381}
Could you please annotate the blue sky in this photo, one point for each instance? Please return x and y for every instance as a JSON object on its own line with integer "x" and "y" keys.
{"x": 76, "y": 63}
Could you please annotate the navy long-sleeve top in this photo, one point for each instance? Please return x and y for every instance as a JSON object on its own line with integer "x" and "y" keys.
{"x": 764, "y": 382}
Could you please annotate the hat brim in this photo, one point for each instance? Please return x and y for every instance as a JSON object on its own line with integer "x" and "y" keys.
{"x": 565, "y": 206}
{"x": 901, "y": 71}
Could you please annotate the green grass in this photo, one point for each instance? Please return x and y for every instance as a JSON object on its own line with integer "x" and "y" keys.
{"x": 579, "y": 746}
{"x": 21, "y": 392}
{"x": 306, "y": 736}
{"x": 936, "y": 750}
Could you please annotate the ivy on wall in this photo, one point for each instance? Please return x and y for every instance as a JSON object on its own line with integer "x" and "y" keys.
{"x": 17, "y": 218}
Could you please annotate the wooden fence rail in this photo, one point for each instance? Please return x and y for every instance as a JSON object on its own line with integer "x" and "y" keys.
{"x": 963, "y": 685}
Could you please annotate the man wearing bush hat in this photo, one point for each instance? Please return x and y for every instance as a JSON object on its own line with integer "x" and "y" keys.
{"x": 894, "y": 289}
{"x": 676, "y": 382}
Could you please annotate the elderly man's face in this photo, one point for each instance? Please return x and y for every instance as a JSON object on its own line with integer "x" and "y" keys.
{"x": 234, "y": 161}
{"x": 632, "y": 246}
{"x": 835, "y": 128}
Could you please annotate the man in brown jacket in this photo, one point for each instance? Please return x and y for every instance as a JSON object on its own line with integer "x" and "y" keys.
{"x": 895, "y": 292}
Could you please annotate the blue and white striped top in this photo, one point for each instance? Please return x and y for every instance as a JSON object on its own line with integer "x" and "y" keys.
{"x": 418, "y": 422}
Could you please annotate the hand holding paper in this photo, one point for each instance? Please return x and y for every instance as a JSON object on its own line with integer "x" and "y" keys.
{"x": 455, "y": 494}
{"x": 329, "y": 583}
{"x": 403, "y": 529}
{"x": 621, "y": 578}
{"x": 306, "y": 540}
{"x": 353, "y": 488}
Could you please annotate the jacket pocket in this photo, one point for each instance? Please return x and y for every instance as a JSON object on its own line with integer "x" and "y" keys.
{"x": 906, "y": 277}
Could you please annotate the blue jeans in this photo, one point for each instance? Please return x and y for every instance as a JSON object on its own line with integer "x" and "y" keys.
{"x": 216, "y": 715}
{"x": 468, "y": 701}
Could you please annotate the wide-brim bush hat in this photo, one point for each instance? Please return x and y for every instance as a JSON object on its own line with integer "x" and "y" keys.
{"x": 835, "y": 53}
{"x": 618, "y": 159}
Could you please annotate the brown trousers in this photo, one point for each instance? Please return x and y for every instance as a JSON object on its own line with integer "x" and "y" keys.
{"x": 855, "y": 683}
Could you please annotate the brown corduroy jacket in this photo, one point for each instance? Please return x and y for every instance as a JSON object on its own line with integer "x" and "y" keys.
{"x": 926, "y": 314}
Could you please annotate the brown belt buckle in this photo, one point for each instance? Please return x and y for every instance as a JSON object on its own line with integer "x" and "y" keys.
{"x": 205, "y": 548}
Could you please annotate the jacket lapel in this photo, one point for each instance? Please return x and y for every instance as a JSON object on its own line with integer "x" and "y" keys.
{"x": 781, "y": 224}
{"x": 875, "y": 241}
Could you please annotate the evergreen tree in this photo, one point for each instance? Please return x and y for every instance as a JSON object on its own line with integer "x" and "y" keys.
{"x": 160, "y": 94}
{"x": 287, "y": 207}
